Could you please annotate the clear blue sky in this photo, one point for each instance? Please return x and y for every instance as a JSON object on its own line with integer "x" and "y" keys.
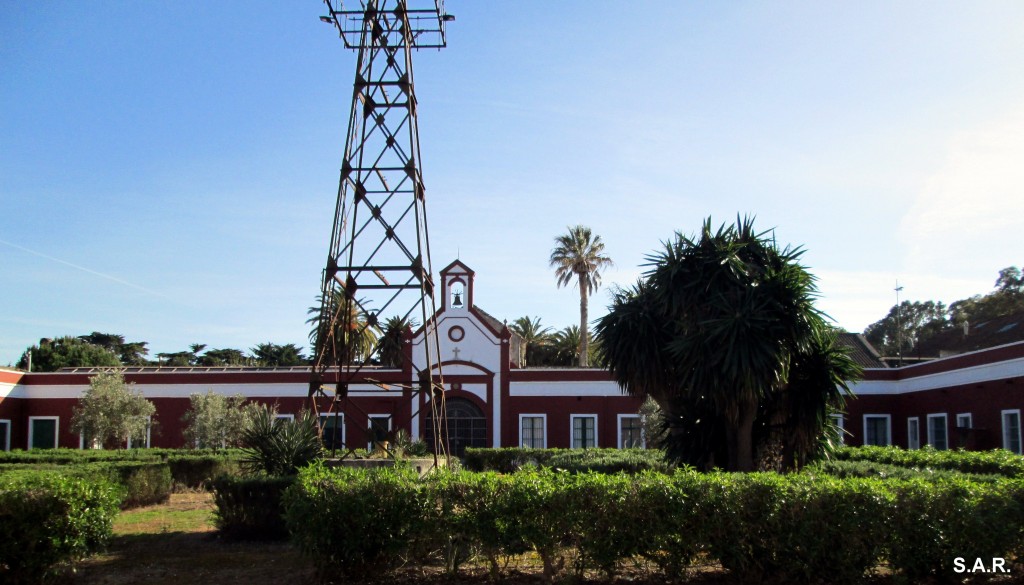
{"x": 168, "y": 170}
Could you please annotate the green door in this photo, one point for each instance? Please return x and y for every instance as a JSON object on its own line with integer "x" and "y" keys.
{"x": 44, "y": 433}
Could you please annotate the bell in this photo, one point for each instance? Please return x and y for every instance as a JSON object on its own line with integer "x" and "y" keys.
{"x": 457, "y": 300}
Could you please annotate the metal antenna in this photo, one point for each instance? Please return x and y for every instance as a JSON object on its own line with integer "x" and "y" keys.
{"x": 899, "y": 325}
{"x": 378, "y": 265}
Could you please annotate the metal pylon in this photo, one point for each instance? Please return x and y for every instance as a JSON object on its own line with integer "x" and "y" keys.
{"x": 378, "y": 266}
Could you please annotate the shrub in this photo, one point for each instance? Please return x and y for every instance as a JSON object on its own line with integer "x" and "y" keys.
{"x": 511, "y": 459}
{"x": 278, "y": 447}
{"x": 354, "y": 522}
{"x": 249, "y": 508}
{"x": 48, "y": 520}
{"x": 998, "y": 461}
{"x": 806, "y": 527}
{"x": 197, "y": 471}
{"x": 145, "y": 483}
{"x": 934, "y": 522}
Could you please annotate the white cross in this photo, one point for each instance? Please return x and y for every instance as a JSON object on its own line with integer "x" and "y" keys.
{"x": 456, "y": 352}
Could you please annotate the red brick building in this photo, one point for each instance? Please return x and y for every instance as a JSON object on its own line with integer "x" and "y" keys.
{"x": 972, "y": 400}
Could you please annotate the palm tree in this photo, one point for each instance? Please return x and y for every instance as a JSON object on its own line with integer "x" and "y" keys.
{"x": 390, "y": 350}
{"x": 578, "y": 255}
{"x": 532, "y": 334}
{"x": 723, "y": 334}
{"x": 348, "y": 333}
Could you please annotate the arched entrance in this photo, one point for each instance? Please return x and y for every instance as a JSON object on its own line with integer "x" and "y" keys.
{"x": 467, "y": 426}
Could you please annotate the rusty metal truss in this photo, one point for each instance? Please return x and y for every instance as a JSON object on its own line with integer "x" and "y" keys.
{"x": 378, "y": 267}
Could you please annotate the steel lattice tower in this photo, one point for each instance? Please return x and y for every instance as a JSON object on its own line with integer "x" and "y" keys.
{"x": 379, "y": 264}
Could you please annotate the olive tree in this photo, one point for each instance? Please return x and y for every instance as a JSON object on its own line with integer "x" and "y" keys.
{"x": 111, "y": 413}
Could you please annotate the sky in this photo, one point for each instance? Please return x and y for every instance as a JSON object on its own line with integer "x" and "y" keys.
{"x": 168, "y": 171}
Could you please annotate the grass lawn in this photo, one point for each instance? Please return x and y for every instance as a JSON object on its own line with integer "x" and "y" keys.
{"x": 177, "y": 543}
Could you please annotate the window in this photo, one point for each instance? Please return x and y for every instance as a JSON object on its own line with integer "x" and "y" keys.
{"x": 877, "y": 430}
{"x": 5, "y": 435}
{"x": 531, "y": 431}
{"x": 1011, "y": 431}
{"x": 42, "y": 432}
{"x": 379, "y": 429}
{"x": 913, "y": 433}
{"x": 584, "y": 431}
{"x": 964, "y": 421}
{"x": 332, "y": 427}
{"x": 937, "y": 431}
{"x": 631, "y": 431}
{"x": 145, "y": 443}
{"x": 839, "y": 421}
{"x": 284, "y": 417}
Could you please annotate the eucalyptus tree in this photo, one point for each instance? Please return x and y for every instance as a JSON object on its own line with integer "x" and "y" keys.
{"x": 579, "y": 257}
{"x": 722, "y": 332}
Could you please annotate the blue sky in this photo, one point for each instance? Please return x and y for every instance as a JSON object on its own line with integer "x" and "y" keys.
{"x": 168, "y": 170}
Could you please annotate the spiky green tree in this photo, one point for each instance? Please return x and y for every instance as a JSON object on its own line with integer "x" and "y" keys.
{"x": 722, "y": 332}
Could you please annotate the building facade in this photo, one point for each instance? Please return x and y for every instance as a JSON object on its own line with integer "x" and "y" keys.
{"x": 972, "y": 400}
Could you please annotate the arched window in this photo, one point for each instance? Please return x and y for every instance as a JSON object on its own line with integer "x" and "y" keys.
{"x": 467, "y": 426}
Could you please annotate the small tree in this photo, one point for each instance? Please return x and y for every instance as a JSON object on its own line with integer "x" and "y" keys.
{"x": 111, "y": 413}
{"x": 214, "y": 421}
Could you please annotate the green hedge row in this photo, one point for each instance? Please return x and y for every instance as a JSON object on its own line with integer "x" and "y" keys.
{"x": 799, "y": 527}
{"x": 871, "y": 469}
{"x": 92, "y": 455}
{"x": 249, "y": 508}
{"x": 143, "y": 483}
{"x": 189, "y": 468}
{"x": 997, "y": 462}
{"x": 511, "y": 459}
{"x": 48, "y": 520}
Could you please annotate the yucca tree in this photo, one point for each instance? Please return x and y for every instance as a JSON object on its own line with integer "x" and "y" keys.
{"x": 722, "y": 332}
{"x": 579, "y": 257}
{"x": 532, "y": 334}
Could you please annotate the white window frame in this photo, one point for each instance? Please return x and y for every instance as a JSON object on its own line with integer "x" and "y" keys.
{"x": 7, "y": 437}
{"x": 840, "y": 421}
{"x": 56, "y": 429}
{"x": 965, "y": 416}
{"x": 369, "y": 427}
{"x": 888, "y": 428}
{"x": 1005, "y": 429}
{"x": 544, "y": 429}
{"x": 340, "y": 416}
{"x": 572, "y": 428}
{"x": 284, "y": 416}
{"x": 914, "y": 422}
{"x": 643, "y": 435}
{"x": 945, "y": 424}
{"x": 149, "y": 435}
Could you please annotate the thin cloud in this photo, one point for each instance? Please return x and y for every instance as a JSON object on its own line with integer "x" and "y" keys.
{"x": 88, "y": 270}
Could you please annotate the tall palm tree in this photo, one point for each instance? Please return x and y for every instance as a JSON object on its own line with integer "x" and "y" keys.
{"x": 532, "y": 334}
{"x": 579, "y": 255}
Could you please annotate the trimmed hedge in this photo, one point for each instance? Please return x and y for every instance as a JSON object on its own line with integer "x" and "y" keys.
{"x": 48, "y": 520}
{"x": 249, "y": 508}
{"x": 795, "y": 528}
{"x": 511, "y": 459}
{"x": 850, "y": 468}
{"x": 189, "y": 468}
{"x": 996, "y": 462}
{"x": 144, "y": 482}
